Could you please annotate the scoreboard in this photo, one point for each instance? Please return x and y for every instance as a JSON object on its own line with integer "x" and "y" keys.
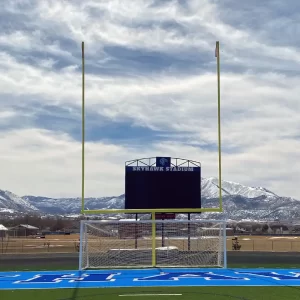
{"x": 162, "y": 186}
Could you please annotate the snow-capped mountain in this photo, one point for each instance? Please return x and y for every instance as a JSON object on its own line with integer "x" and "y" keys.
{"x": 73, "y": 205}
{"x": 240, "y": 202}
{"x": 210, "y": 189}
{"x": 11, "y": 202}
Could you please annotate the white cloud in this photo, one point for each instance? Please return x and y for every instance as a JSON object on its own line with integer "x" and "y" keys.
{"x": 260, "y": 107}
{"x": 42, "y": 163}
{"x": 7, "y": 114}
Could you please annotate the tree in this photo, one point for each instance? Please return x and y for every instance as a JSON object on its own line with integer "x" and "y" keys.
{"x": 265, "y": 228}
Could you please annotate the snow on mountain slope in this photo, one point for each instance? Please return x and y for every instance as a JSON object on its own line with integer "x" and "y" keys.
{"x": 73, "y": 205}
{"x": 12, "y": 202}
{"x": 210, "y": 189}
{"x": 237, "y": 207}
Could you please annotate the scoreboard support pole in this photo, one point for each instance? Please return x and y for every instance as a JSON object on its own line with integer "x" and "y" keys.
{"x": 162, "y": 234}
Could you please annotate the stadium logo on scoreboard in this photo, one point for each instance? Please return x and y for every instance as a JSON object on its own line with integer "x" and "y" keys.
{"x": 163, "y": 161}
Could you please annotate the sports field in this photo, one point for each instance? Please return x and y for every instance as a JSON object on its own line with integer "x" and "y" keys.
{"x": 283, "y": 284}
{"x": 64, "y": 282}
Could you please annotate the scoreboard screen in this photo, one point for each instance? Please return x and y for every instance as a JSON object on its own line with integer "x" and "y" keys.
{"x": 149, "y": 187}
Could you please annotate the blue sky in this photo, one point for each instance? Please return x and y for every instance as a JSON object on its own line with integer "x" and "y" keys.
{"x": 150, "y": 91}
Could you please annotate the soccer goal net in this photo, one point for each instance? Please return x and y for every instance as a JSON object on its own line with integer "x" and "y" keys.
{"x": 147, "y": 243}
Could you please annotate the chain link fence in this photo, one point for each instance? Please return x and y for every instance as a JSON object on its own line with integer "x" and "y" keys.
{"x": 60, "y": 244}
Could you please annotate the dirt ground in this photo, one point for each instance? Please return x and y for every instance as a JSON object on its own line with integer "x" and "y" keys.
{"x": 52, "y": 243}
{"x": 70, "y": 243}
{"x": 268, "y": 243}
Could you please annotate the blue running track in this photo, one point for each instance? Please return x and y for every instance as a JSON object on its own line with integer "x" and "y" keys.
{"x": 149, "y": 277}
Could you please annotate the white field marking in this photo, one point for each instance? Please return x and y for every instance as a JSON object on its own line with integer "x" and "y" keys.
{"x": 283, "y": 237}
{"x": 136, "y": 295}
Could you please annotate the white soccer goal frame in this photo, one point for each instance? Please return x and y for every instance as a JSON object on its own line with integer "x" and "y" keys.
{"x": 222, "y": 252}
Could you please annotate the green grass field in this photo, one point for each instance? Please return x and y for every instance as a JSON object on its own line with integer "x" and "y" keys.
{"x": 189, "y": 293}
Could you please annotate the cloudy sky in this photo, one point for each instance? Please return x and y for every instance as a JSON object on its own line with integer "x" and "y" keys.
{"x": 150, "y": 91}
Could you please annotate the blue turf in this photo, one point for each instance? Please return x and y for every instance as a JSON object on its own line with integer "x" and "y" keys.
{"x": 149, "y": 277}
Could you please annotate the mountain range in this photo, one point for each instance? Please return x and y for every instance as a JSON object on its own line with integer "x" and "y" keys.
{"x": 240, "y": 202}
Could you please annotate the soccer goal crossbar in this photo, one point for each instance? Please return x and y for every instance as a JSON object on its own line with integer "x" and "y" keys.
{"x": 152, "y": 243}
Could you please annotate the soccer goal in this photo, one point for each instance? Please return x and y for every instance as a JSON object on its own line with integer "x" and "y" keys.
{"x": 148, "y": 243}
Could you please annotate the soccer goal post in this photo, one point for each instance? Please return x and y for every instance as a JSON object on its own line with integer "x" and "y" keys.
{"x": 147, "y": 243}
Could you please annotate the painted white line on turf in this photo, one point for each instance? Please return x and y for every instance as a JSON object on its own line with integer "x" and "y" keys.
{"x": 136, "y": 295}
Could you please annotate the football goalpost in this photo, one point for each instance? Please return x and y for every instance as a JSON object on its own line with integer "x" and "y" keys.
{"x": 152, "y": 243}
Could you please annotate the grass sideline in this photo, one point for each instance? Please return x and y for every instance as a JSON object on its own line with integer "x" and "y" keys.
{"x": 75, "y": 267}
{"x": 187, "y": 293}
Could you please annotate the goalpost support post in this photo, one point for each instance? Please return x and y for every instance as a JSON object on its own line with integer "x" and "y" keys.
{"x": 153, "y": 239}
{"x": 81, "y": 243}
{"x": 225, "y": 244}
